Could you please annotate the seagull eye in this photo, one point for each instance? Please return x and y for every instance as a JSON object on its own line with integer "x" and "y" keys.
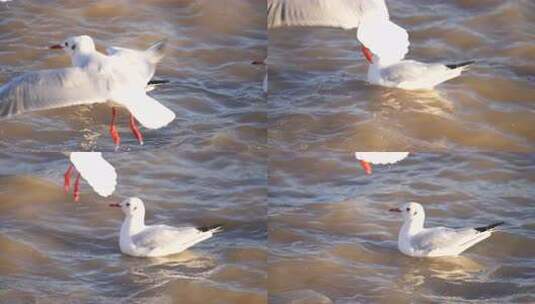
{"x": 127, "y": 204}
{"x": 408, "y": 209}
{"x": 66, "y": 44}
{"x": 73, "y": 47}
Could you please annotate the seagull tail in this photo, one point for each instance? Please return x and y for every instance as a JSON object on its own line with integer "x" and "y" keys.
{"x": 459, "y": 65}
{"x": 157, "y": 50}
{"x": 212, "y": 228}
{"x": 489, "y": 227}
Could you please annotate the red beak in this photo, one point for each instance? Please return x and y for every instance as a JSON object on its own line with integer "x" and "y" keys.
{"x": 394, "y": 210}
{"x": 115, "y": 205}
{"x": 56, "y": 47}
{"x": 366, "y": 166}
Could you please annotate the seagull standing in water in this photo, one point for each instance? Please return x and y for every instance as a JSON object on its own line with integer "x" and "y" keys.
{"x": 118, "y": 79}
{"x": 416, "y": 241}
{"x": 140, "y": 240}
{"x": 93, "y": 168}
{"x": 367, "y": 159}
{"x": 384, "y": 43}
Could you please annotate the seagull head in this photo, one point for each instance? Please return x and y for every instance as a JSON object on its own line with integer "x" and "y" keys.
{"x": 131, "y": 206}
{"x": 410, "y": 211}
{"x": 76, "y": 44}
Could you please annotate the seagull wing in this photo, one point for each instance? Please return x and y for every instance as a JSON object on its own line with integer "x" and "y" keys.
{"x": 344, "y": 14}
{"x": 384, "y": 38}
{"x": 147, "y": 110}
{"x": 441, "y": 239}
{"x": 98, "y": 172}
{"x": 49, "y": 89}
{"x": 163, "y": 236}
{"x": 142, "y": 63}
{"x": 381, "y": 158}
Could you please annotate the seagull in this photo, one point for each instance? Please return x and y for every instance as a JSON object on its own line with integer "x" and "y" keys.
{"x": 378, "y": 158}
{"x": 384, "y": 43}
{"x": 139, "y": 240}
{"x": 416, "y": 241}
{"x": 370, "y": 17}
{"x": 118, "y": 79}
{"x": 98, "y": 172}
{"x": 410, "y": 74}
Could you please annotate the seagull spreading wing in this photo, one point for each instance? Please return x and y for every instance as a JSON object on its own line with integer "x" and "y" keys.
{"x": 118, "y": 80}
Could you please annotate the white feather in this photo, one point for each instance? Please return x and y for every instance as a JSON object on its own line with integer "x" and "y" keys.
{"x": 381, "y": 158}
{"x": 94, "y": 169}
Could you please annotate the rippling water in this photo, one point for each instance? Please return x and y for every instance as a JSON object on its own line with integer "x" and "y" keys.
{"x": 320, "y": 98}
{"x": 330, "y": 234}
{"x": 55, "y": 250}
{"x": 215, "y": 92}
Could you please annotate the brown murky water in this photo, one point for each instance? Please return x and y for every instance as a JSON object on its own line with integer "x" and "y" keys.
{"x": 214, "y": 90}
{"x": 331, "y": 237}
{"x": 301, "y": 219}
{"x": 320, "y": 99}
{"x": 53, "y": 250}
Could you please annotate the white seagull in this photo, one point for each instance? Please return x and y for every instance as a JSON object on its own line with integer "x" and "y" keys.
{"x": 366, "y": 159}
{"x": 140, "y": 240}
{"x": 384, "y": 43}
{"x": 416, "y": 241}
{"x": 118, "y": 79}
{"x": 98, "y": 172}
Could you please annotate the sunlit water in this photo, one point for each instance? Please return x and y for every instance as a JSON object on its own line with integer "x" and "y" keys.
{"x": 330, "y": 231}
{"x": 214, "y": 91}
{"x": 320, "y": 99}
{"x": 55, "y": 250}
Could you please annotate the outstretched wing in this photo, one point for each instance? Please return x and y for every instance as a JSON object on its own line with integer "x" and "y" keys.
{"x": 344, "y": 14}
{"x": 49, "y": 89}
{"x": 98, "y": 172}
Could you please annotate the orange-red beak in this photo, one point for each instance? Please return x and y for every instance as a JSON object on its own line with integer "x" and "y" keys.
{"x": 367, "y": 53}
{"x": 56, "y": 47}
{"x": 115, "y": 205}
{"x": 394, "y": 210}
{"x": 366, "y": 166}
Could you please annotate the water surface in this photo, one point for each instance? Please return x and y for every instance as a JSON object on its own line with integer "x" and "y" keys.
{"x": 320, "y": 99}
{"x": 214, "y": 89}
{"x": 332, "y": 238}
{"x": 55, "y": 250}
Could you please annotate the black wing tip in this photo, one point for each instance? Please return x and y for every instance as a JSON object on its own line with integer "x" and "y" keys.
{"x": 208, "y": 228}
{"x": 489, "y": 227}
{"x": 158, "y": 81}
{"x": 459, "y": 65}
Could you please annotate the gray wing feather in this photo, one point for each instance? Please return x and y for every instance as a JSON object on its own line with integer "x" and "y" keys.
{"x": 410, "y": 70}
{"x": 441, "y": 237}
{"x": 49, "y": 89}
{"x": 162, "y": 235}
{"x": 345, "y": 14}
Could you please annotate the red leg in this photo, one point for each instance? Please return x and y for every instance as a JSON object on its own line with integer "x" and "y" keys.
{"x": 67, "y": 178}
{"x": 76, "y": 192}
{"x": 366, "y": 166}
{"x": 113, "y": 129}
{"x": 367, "y": 53}
{"x": 135, "y": 130}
